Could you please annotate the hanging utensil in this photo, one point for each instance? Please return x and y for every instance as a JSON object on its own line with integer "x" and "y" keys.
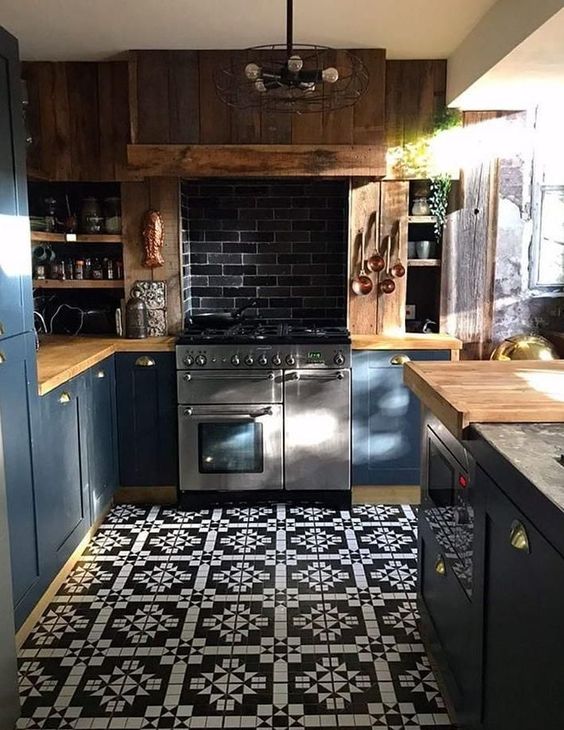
{"x": 398, "y": 269}
{"x": 387, "y": 285}
{"x": 376, "y": 261}
{"x": 362, "y": 284}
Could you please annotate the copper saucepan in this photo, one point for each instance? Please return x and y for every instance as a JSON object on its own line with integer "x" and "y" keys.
{"x": 387, "y": 285}
{"x": 362, "y": 284}
{"x": 376, "y": 261}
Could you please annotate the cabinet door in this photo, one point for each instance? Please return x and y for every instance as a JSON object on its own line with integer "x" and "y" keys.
{"x": 447, "y": 608}
{"x": 15, "y": 261}
{"x": 61, "y": 472}
{"x": 17, "y": 380}
{"x": 524, "y": 626}
{"x": 386, "y": 418}
{"x": 147, "y": 419}
{"x": 101, "y": 436}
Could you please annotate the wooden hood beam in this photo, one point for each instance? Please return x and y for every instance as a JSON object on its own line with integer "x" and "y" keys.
{"x": 263, "y": 160}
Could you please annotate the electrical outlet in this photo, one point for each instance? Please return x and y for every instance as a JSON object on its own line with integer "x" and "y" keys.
{"x": 410, "y": 311}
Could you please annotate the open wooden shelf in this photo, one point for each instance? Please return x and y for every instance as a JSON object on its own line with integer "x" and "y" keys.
{"x": 78, "y": 284}
{"x": 424, "y": 262}
{"x": 426, "y": 219}
{"x": 44, "y": 237}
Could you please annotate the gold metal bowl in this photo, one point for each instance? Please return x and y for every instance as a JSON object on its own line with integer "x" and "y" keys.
{"x": 525, "y": 347}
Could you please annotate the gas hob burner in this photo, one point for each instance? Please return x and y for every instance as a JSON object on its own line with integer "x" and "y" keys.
{"x": 264, "y": 332}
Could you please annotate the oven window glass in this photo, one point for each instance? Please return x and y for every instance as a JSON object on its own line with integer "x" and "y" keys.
{"x": 230, "y": 448}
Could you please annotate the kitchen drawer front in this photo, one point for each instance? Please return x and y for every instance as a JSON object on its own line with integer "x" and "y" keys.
{"x": 225, "y": 386}
{"x": 450, "y": 613}
{"x": 396, "y": 358}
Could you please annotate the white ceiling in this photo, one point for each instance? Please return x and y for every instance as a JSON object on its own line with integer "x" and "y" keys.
{"x": 531, "y": 74}
{"x": 98, "y": 29}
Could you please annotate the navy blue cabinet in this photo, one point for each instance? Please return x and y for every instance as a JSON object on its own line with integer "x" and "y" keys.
{"x": 15, "y": 261}
{"x": 18, "y": 391}
{"x": 147, "y": 419}
{"x": 386, "y": 418}
{"x": 63, "y": 501}
{"x": 101, "y": 436}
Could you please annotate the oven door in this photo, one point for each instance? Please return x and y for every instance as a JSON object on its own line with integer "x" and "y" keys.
{"x": 225, "y": 448}
{"x": 317, "y": 424}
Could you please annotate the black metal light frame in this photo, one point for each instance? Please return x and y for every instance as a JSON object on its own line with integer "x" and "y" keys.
{"x": 284, "y": 90}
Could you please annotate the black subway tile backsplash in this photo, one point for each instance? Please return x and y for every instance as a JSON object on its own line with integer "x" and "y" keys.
{"x": 283, "y": 241}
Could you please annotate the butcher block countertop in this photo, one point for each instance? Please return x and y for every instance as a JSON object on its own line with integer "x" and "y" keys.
{"x": 406, "y": 342}
{"x": 462, "y": 393}
{"x": 61, "y": 358}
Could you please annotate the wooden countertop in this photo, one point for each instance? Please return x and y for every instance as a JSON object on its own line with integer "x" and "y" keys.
{"x": 406, "y": 342}
{"x": 61, "y": 358}
{"x": 462, "y": 393}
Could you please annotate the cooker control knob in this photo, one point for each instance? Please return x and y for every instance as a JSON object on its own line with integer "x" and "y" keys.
{"x": 201, "y": 360}
{"x": 189, "y": 360}
{"x": 249, "y": 360}
{"x": 339, "y": 359}
{"x": 235, "y": 360}
{"x": 290, "y": 360}
{"x": 263, "y": 360}
{"x": 276, "y": 360}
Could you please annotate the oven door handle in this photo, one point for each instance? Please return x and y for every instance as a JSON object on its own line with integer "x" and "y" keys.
{"x": 187, "y": 377}
{"x": 236, "y": 414}
{"x": 311, "y": 376}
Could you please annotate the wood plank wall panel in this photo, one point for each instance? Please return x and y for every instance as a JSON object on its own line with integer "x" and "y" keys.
{"x": 415, "y": 93}
{"x": 83, "y": 120}
{"x": 153, "y": 112}
{"x": 364, "y": 212}
{"x": 202, "y": 110}
{"x": 393, "y": 232}
{"x": 469, "y": 253}
{"x": 164, "y": 196}
{"x": 184, "y": 96}
{"x": 370, "y": 118}
{"x": 79, "y": 119}
{"x": 214, "y": 116}
{"x": 137, "y": 197}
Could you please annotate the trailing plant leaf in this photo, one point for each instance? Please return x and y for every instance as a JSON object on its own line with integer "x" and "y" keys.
{"x": 438, "y": 201}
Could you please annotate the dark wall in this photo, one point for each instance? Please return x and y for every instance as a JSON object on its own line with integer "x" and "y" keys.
{"x": 283, "y": 241}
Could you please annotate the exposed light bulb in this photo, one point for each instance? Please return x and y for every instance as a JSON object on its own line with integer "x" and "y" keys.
{"x": 252, "y": 71}
{"x": 260, "y": 86}
{"x": 295, "y": 64}
{"x": 330, "y": 75}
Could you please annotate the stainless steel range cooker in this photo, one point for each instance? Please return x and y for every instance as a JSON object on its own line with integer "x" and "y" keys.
{"x": 264, "y": 408}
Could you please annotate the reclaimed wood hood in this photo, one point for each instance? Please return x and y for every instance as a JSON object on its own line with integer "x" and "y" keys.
{"x": 256, "y": 160}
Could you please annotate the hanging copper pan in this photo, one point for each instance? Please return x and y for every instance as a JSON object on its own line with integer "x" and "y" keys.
{"x": 362, "y": 284}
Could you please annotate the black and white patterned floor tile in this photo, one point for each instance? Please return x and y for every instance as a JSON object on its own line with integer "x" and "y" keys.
{"x": 273, "y": 616}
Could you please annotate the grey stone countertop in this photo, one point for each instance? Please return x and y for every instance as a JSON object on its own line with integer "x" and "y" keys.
{"x": 532, "y": 448}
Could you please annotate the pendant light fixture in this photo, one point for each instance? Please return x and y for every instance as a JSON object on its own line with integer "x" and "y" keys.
{"x": 296, "y": 78}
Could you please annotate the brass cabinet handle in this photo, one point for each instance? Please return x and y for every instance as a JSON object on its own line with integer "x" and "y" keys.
{"x": 100, "y": 374}
{"x": 145, "y": 362}
{"x": 518, "y": 537}
{"x": 440, "y": 566}
{"x": 64, "y": 398}
{"x": 399, "y": 359}
{"x": 2, "y": 358}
